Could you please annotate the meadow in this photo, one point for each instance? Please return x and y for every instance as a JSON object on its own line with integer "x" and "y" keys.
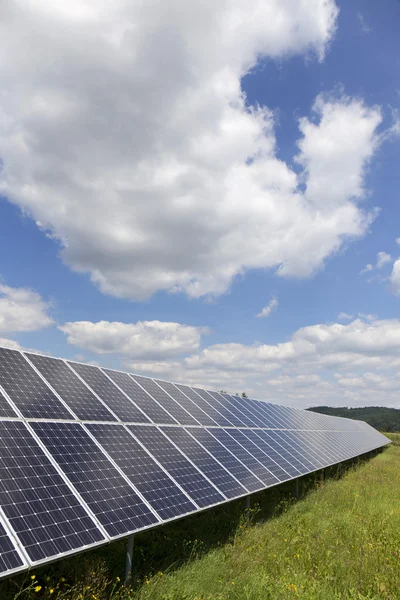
{"x": 340, "y": 540}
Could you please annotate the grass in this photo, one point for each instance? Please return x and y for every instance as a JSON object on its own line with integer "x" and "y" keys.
{"x": 340, "y": 541}
{"x": 395, "y": 437}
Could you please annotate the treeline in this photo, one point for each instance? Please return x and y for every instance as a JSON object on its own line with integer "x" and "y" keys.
{"x": 379, "y": 417}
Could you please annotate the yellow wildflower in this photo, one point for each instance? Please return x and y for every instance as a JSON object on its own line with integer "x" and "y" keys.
{"x": 38, "y": 588}
{"x": 33, "y": 576}
{"x": 51, "y": 590}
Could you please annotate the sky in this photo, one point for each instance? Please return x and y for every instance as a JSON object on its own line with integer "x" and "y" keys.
{"x": 206, "y": 192}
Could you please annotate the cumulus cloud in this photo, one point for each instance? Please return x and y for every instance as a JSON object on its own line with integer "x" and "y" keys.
{"x": 382, "y": 259}
{"x": 127, "y": 136}
{"x": 267, "y": 310}
{"x": 353, "y": 364}
{"x": 22, "y": 309}
{"x": 342, "y": 316}
{"x": 395, "y": 277}
{"x": 144, "y": 339}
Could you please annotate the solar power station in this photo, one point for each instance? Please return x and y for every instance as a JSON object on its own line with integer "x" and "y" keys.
{"x": 89, "y": 455}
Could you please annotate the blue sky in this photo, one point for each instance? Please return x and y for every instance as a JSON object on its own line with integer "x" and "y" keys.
{"x": 149, "y": 214}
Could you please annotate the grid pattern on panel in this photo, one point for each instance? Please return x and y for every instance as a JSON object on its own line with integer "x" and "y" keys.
{"x": 244, "y": 455}
{"x": 5, "y": 408}
{"x": 109, "y": 393}
{"x": 152, "y": 482}
{"x": 226, "y": 408}
{"x": 275, "y": 452}
{"x": 179, "y": 414}
{"x": 27, "y": 390}
{"x": 205, "y": 402}
{"x": 9, "y": 557}
{"x": 185, "y": 400}
{"x": 71, "y": 389}
{"x": 109, "y": 496}
{"x": 290, "y": 454}
{"x": 188, "y": 477}
{"x": 246, "y": 415}
{"x": 242, "y": 439}
{"x": 46, "y": 516}
{"x": 153, "y": 410}
{"x": 269, "y": 460}
{"x": 205, "y": 462}
{"x": 304, "y": 449}
{"x": 226, "y": 458}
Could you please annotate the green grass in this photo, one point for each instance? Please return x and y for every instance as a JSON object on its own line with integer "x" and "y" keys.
{"x": 395, "y": 437}
{"x": 340, "y": 541}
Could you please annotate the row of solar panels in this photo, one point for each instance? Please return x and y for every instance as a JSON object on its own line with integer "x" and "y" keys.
{"x": 40, "y": 387}
{"x": 145, "y": 452}
{"x": 65, "y": 486}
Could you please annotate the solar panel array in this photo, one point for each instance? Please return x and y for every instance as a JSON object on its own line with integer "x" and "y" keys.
{"x": 88, "y": 454}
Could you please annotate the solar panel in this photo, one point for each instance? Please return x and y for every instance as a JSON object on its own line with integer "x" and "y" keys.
{"x": 178, "y": 466}
{"x": 166, "y": 400}
{"x": 106, "y": 492}
{"x": 227, "y": 459}
{"x": 226, "y": 409}
{"x": 145, "y": 402}
{"x": 44, "y": 513}
{"x": 5, "y": 408}
{"x": 261, "y": 456}
{"x": 220, "y": 477}
{"x": 27, "y": 390}
{"x": 10, "y": 560}
{"x": 70, "y": 388}
{"x": 187, "y": 402}
{"x": 118, "y": 402}
{"x": 66, "y": 486}
{"x": 156, "y": 486}
{"x": 205, "y": 401}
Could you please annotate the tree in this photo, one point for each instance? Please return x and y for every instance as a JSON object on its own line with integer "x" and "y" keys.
{"x": 244, "y": 395}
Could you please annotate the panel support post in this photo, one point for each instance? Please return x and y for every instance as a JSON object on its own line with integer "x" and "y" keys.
{"x": 128, "y": 565}
{"x": 247, "y": 502}
{"x": 296, "y": 488}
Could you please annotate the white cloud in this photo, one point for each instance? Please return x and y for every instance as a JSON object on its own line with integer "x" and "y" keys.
{"x": 144, "y": 339}
{"x": 342, "y": 316}
{"x": 267, "y": 310}
{"x": 363, "y": 23}
{"x": 127, "y": 137}
{"x": 353, "y": 364}
{"x": 382, "y": 259}
{"x": 395, "y": 277}
{"x": 6, "y": 343}
{"x": 397, "y": 240}
{"x": 22, "y": 309}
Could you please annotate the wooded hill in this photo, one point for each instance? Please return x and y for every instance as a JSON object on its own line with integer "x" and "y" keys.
{"x": 379, "y": 417}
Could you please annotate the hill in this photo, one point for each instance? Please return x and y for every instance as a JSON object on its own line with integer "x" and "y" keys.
{"x": 379, "y": 417}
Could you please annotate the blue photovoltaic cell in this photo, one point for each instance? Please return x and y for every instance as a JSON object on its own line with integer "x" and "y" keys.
{"x": 27, "y": 390}
{"x": 109, "y": 496}
{"x": 204, "y": 400}
{"x": 71, "y": 389}
{"x": 270, "y": 461}
{"x": 284, "y": 449}
{"x": 5, "y": 408}
{"x": 122, "y": 406}
{"x": 243, "y": 455}
{"x": 132, "y": 389}
{"x": 152, "y": 482}
{"x": 180, "y": 415}
{"x": 186, "y": 402}
{"x": 304, "y": 450}
{"x": 226, "y": 409}
{"x": 205, "y": 462}
{"x": 226, "y": 458}
{"x": 275, "y": 452}
{"x": 255, "y": 451}
{"x": 173, "y": 461}
{"x": 9, "y": 557}
{"x": 249, "y": 417}
{"x": 45, "y": 515}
